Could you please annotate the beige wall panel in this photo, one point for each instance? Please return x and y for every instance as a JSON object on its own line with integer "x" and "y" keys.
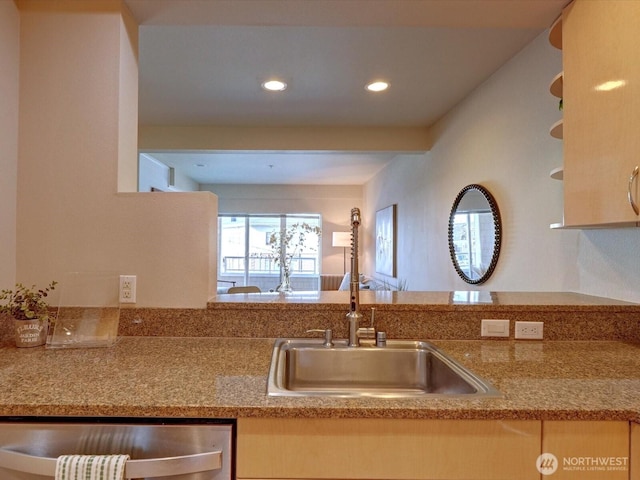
{"x": 400, "y": 139}
{"x": 77, "y": 146}
{"x": 9, "y": 88}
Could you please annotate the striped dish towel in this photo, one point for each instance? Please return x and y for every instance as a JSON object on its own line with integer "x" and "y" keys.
{"x": 90, "y": 467}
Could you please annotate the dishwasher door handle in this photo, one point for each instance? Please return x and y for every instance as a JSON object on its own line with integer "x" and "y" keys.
{"x": 152, "y": 467}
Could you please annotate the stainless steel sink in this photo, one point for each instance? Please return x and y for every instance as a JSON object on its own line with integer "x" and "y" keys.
{"x": 403, "y": 368}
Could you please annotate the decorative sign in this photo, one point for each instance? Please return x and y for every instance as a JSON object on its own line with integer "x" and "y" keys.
{"x": 31, "y": 333}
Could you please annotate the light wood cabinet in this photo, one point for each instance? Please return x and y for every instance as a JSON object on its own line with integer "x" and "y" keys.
{"x": 584, "y": 450}
{"x": 601, "y": 115}
{"x": 634, "y": 457}
{"x": 271, "y": 448}
{"x": 387, "y": 449}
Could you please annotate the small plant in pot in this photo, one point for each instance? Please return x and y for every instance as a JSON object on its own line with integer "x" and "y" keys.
{"x": 30, "y": 310}
{"x": 289, "y": 243}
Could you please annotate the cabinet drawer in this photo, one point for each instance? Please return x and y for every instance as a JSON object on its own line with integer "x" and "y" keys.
{"x": 387, "y": 449}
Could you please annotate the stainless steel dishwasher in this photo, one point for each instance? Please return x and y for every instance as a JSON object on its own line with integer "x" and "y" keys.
{"x": 163, "y": 449}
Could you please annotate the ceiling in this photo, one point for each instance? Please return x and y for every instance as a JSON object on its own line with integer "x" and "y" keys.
{"x": 202, "y": 62}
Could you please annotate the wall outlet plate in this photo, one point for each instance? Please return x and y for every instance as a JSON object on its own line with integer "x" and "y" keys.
{"x": 127, "y": 292}
{"x": 494, "y": 328}
{"x": 529, "y": 330}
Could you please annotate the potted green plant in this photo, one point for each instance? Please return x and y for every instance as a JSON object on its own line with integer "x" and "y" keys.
{"x": 30, "y": 311}
{"x": 286, "y": 244}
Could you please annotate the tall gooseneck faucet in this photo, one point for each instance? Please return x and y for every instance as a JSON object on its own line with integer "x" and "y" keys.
{"x": 354, "y": 314}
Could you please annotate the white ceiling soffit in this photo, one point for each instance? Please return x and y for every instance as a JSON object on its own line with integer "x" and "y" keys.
{"x": 409, "y": 13}
{"x": 277, "y": 168}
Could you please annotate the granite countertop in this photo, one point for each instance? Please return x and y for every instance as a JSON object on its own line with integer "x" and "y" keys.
{"x": 444, "y": 300}
{"x": 226, "y": 378}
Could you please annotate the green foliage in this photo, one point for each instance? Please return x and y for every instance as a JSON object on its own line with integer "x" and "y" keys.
{"x": 289, "y": 242}
{"x": 25, "y": 303}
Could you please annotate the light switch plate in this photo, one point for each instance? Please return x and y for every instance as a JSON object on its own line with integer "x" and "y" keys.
{"x": 494, "y": 328}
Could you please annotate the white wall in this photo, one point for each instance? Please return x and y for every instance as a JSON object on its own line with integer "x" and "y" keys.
{"x": 127, "y": 101}
{"x": 498, "y": 137}
{"x": 153, "y": 173}
{"x": 9, "y": 87}
{"x": 78, "y": 76}
{"x": 608, "y": 263}
{"x": 334, "y": 203}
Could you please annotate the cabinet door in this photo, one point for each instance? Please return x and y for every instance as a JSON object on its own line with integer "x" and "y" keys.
{"x": 601, "y": 61}
{"x": 581, "y": 450}
{"x": 387, "y": 449}
{"x": 635, "y": 452}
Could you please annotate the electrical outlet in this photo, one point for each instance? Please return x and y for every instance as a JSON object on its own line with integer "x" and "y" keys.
{"x": 494, "y": 328}
{"x": 529, "y": 330}
{"x": 127, "y": 289}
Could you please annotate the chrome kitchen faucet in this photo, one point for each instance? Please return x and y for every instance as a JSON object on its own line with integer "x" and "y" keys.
{"x": 354, "y": 316}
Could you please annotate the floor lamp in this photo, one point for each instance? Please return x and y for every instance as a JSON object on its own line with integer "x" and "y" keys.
{"x": 342, "y": 239}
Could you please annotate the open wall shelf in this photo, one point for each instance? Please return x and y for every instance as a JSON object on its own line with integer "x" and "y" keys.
{"x": 555, "y": 33}
{"x": 556, "y": 130}
{"x": 557, "y": 173}
{"x": 556, "y": 85}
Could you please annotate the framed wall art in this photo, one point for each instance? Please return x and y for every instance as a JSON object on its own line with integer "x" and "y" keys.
{"x": 386, "y": 241}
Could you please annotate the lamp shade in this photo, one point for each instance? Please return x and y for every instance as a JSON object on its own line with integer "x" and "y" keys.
{"x": 341, "y": 239}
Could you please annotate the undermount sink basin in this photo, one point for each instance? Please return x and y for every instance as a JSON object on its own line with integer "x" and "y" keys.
{"x": 403, "y": 368}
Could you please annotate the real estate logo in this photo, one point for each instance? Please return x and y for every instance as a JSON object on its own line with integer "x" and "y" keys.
{"x": 547, "y": 464}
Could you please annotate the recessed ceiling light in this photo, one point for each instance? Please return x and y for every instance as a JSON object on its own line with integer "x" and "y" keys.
{"x": 274, "y": 85}
{"x": 377, "y": 86}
